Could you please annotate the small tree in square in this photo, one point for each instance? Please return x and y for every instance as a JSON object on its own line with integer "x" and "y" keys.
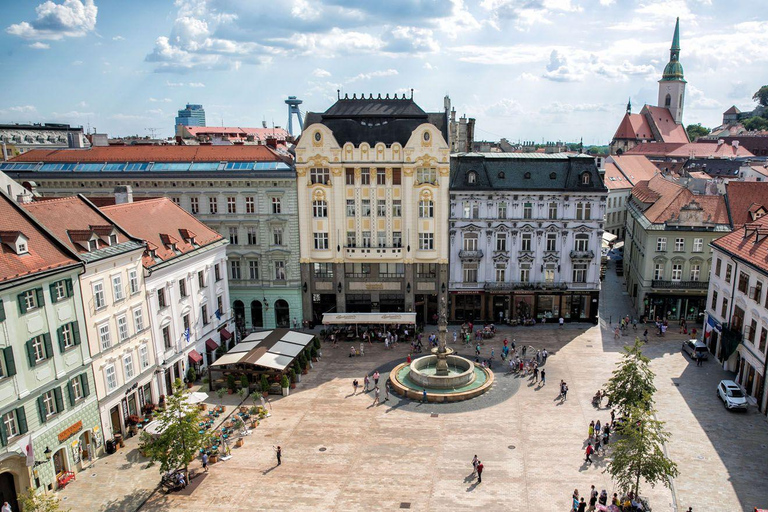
{"x": 32, "y": 501}
{"x": 180, "y": 439}
{"x": 632, "y": 382}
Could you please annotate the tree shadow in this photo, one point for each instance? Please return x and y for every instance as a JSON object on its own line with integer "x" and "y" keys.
{"x": 130, "y": 502}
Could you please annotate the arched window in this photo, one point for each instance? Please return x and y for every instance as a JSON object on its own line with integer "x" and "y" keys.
{"x": 668, "y": 101}
{"x": 257, "y": 314}
{"x": 282, "y": 314}
{"x": 501, "y": 175}
{"x": 239, "y": 309}
{"x": 471, "y": 177}
{"x": 319, "y": 209}
{"x": 586, "y": 178}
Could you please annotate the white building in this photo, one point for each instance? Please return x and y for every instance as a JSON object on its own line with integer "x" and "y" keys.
{"x": 186, "y": 282}
{"x": 525, "y": 236}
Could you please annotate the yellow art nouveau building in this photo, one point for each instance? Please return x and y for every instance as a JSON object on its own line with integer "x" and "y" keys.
{"x": 372, "y": 176}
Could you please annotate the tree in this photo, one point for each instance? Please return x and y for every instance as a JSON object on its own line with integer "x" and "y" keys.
{"x": 31, "y": 501}
{"x": 180, "y": 439}
{"x": 639, "y": 452}
{"x": 756, "y": 123}
{"x": 761, "y": 96}
{"x": 632, "y": 382}
{"x": 695, "y": 131}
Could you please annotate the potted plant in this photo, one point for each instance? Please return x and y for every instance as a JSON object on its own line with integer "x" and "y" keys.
{"x": 292, "y": 374}
{"x": 242, "y": 393}
{"x": 313, "y": 353}
{"x": 307, "y": 366}
{"x": 244, "y": 382}
{"x": 231, "y": 383}
{"x": 264, "y": 384}
{"x": 318, "y": 346}
{"x": 220, "y": 393}
{"x": 285, "y": 384}
{"x": 131, "y": 422}
{"x": 191, "y": 376}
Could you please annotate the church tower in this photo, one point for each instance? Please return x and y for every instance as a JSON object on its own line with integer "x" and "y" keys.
{"x": 672, "y": 83}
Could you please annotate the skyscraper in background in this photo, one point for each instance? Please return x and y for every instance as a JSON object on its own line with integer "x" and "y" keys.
{"x": 191, "y": 115}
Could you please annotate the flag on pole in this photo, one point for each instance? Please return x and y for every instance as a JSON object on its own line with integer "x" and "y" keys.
{"x": 187, "y": 334}
{"x": 218, "y": 314}
{"x": 26, "y": 447}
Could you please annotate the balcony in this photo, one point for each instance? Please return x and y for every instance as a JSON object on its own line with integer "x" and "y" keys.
{"x": 680, "y": 285}
{"x": 371, "y": 253}
{"x": 525, "y": 285}
{"x": 470, "y": 255}
{"x": 582, "y": 255}
{"x": 465, "y": 286}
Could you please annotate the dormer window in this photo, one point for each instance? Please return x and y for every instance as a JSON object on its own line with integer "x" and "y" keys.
{"x": 553, "y": 176}
{"x": 586, "y": 179}
{"x": 16, "y": 241}
{"x": 93, "y": 245}
{"x": 527, "y": 176}
{"x": 21, "y": 247}
{"x": 471, "y": 177}
{"x": 112, "y": 239}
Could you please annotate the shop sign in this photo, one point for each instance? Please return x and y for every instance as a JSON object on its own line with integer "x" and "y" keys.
{"x": 69, "y": 432}
{"x": 470, "y": 292}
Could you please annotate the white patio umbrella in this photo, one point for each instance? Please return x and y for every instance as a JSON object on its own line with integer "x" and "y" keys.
{"x": 154, "y": 428}
{"x": 197, "y": 397}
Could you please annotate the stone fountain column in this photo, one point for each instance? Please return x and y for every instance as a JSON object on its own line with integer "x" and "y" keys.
{"x": 442, "y": 351}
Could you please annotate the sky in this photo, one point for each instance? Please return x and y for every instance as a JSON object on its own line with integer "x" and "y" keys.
{"x": 540, "y": 70}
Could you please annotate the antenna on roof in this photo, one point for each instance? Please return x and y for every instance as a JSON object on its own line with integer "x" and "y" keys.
{"x": 338, "y": 94}
{"x": 411, "y": 92}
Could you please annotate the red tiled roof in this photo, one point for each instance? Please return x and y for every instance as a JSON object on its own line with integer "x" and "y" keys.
{"x": 689, "y": 150}
{"x": 168, "y": 221}
{"x": 743, "y": 197}
{"x": 613, "y": 178}
{"x": 238, "y": 132}
{"x": 635, "y": 167}
{"x": 700, "y": 175}
{"x": 749, "y": 243}
{"x": 634, "y": 127}
{"x": 72, "y": 219}
{"x": 733, "y": 110}
{"x": 669, "y": 198}
{"x": 117, "y": 154}
{"x": 665, "y": 124}
{"x": 44, "y": 252}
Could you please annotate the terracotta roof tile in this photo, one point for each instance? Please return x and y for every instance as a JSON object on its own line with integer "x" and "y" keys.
{"x": 634, "y": 127}
{"x": 743, "y": 197}
{"x": 117, "y": 154}
{"x": 44, "y": 252}
{"x": 689, "y": 150}
{"x": 669, "y": 199}
{"x": 665, "y": 124}
{"x": 168, "y": 221}
{"x": 613, "y": 178}
{"x": 236, "y": 132}
{"x": 748, "y": 242}
{"x": 635, "y": 168}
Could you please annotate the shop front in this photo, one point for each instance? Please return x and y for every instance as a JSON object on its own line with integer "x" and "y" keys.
{"x": 467, "y": 306}
{"x": 525, "y": 305}
{"x": 676, "y": 307}
{"x": 426, "y": 308}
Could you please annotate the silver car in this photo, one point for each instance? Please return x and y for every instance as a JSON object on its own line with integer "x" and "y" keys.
{"x": 731, "y": 395}
{"x": 696, "y": 349}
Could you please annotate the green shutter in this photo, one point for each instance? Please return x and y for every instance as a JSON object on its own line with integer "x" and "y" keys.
{"x": 40, "y": 297}
{"x": 84, "y": 384}
{"x": 31, "y": 353}
{"x": 2, "y": 311}
{"x": 21, "y": 417}
{"x": 52, "y": 288}
{"x": 48, "y": 345}
{"x": 41, "y": 409}
{"x": 59, "y": 400}
{"x": 76, "y": 333}
{"x": 10, "y": 363}
{"x": 3, "y": 434}
{"x": 68, "y": 283}
{"x": 71, "y": 391}
{"x": 22, "y": 304}
{"x": 60, "y": 337}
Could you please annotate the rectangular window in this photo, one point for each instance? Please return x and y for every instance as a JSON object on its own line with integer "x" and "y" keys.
{"x": 183, "y": 287}
{"x": 695, "y": 272}
{"x": 323, "y": 270}
{"x": 117, "y": 288}
{"x": 396, "y": 177}
{"x": 365, "y": 205}
{"x": 320, "y": 175}
{"x": 658, "y": 271}
{"x": 501, "y": 241}
{"x": 250, "y": 204}
{"x": 366, "y": 238}
{"x": 724, "y": 309}
{"x": 233, "y": 235}
{"x": 122, "y": 328}
{"x": 381, "y": 239}
{"x": 426, "y": 241}
{"x": 743, "y": 285}
{"x": 357, "y": 270}
{"x": 365, "y": 176}
{"x": 525, "y": 272}
{"x": 319, "y": 209}
{"x": 552, "y": 211}
{"x": 11, "y": 424}
{"x": 581, "y": 243}
{"x": 426, "y": 175}
{"x": 677, "y": 271}
{"x": 501, "y": 211}
{"x": 698, "y": 245}
{"x": 470, "y": 272}
{"x": 194, "y": 205}
{"x": 718, "y": 266}
{"x": 161, "y": 303}
{"x": 397, "y": 208}
{"x": 49, "y": 403}
{"x": 551, "y": 241}
{"x": 133, "y": 282}
{"x": 277, "y": 236}
{"x": 77, "y": 387}
{"x": 757, "y": 292}
{"x": 253, "y": 270}
{"x": 426, "y": 209}
{"x": 661, "y": 244}
{"x": 280, "y": 271}
{"x": 213, "y": 205}
{"x": 201, "y": 279}
{"x": 350, "y": 207}
{"x": 138, "y": 319}
{"x": 549, "y": 274}
{"x": 276, "y": 205}
{"x": 321, "y": 241}
{"x": 381, "y": 176}
{"x": 67, "y": 335}
{"x": 679, "y": 244}
{"x": 111, "y": 377}
{"x": 351, "y": 239}
{"x": 143, "y": 356}
{"x": 217, "y": 272}
{"x": 580, "y": 211}
{"x": 752, "y": 331}
{"x": 129, "y": 370}
{"x": 349, "y": 176}
{"x": 470, "y": 242}
{"x": 167, "y": 343}
{"x": 391, "y": 270}
{"x": 579, "y": 272}
{"x": 253, "y": 236}
{"x": 59, "y": 291}
{"x": 501, "y": 272}
{"x": 105, "y": 338}
{"x": 525, "y": 239}
{"x": 397, "y": 239}
{"x": 99, "y": 301}
{"x": 231, "y": 205}
{"x": 381, "y": 208}
{"x": 713, "y": 304}
{"x": 763, "y": 336}
{"x": 234, "y": 270}
{"x": 426, "y": 270}
{"x": 527, "y": 211}
{"x": 728, "y": 272}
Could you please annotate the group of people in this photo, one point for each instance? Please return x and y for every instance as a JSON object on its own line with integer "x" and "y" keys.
{"x": 582, "y": 504}
{"x": 598, "y": 438}
{"x": 375, "y": 388}
{"x": 477, "y": 469}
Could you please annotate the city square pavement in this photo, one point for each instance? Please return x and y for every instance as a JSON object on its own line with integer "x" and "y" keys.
{"x": 342, "y": 453}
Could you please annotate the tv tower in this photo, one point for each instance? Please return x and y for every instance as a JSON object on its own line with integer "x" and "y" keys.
{"x": 293, "y": 108}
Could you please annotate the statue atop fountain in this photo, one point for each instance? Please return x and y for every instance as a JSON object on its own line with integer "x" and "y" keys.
{"x": 442, "y": 351}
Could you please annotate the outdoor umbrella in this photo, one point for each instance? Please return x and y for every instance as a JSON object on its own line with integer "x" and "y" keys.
{"x": 197, "y": 397}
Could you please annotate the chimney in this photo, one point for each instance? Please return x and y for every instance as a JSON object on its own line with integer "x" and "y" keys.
{"x": 24, "y": 198}
{"x": 735, "y": 144}
{"x": 271, "y": 142}
{"x": 123, "y": 194}
{"x": 720, "y": 142}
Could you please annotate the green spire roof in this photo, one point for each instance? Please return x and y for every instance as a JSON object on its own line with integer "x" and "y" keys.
{"x": 674, "y": 70}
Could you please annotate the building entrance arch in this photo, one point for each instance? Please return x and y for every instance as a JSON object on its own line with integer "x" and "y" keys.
{"x": 8, "y": 489}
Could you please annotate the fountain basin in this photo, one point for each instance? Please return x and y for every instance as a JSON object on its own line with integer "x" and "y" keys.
{"x": 478, "y": 382}
{"x": 461, "y": 372}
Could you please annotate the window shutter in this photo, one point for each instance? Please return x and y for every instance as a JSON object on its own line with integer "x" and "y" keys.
{"x": 10, "y": 363}
{"x": 31, "y": 354}
{"x": 48, "y": 345}
{"x": 40, "y": 297}
{"x": 69, "y": 287}
{"x": 59, "y": 400}
{"x": 41, "y": 408}
{"x": 2, "y": 311}
{"x": 3, "y": 434}
{"x": 76, "y": 333}
{"x": 21, "y": 417}
{"x": 60, "y": 337}
{"x": 22, "y": 304}
{"x": 52, "y": 288}
{"x": 71, "y": 392}
{"x": 84, "y": 384}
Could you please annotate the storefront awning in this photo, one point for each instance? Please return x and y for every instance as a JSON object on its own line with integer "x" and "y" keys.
{"x": 369, "y": 318}
{"x": 609, "y": 237}
{"x": 225, "y": 334}
{"x": 276, "y": 349}
{"x": 195, "y": 357}
{"x": 211, "y": 345}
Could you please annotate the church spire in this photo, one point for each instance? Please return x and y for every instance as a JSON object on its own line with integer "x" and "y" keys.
{"x": 674, "y": 70}
{"x": 676, "y": 37}
{"x": 629, "y": 106}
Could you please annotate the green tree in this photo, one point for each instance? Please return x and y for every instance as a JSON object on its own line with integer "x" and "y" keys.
{"x": 632, "y": 382}
{"x": 32, "y": 501}
{"x": 756, "y": 123}
{"x": 639, "y": 452}
{"x": 181, "y": 438}
{"x": 761, "y": 96}
{"x": 695, "y": 131}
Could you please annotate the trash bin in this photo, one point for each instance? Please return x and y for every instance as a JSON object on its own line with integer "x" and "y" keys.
{"x": 110, "y": 446}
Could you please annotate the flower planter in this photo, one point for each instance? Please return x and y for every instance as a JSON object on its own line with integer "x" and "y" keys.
{"x": 239, "y": 442}
{"x": 314, "y": 359}
{"x": 254, "y": 423}
{"x": 298, "y": 377}
{"x": 293, "y": 385}
{"x": 286, "y": 391}
{"x": 243, "y": 409}
{"x": 230, "y": 391}
{"x": 213, "y": 459}
{"x": 304, "y": 372}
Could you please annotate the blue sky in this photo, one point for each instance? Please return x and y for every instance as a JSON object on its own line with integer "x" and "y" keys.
{"x": 525, "y": 69}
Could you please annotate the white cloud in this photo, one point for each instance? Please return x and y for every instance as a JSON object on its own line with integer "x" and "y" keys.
{"x": 566, "y": 108}
{"x": 82, "y": 104}
{"x": 697, "y": 99}
{"x": 23, "y": 109}
{"x": 73, "y": 18}
{"x": 320, "y": 73}
{"x": 410, "y": 40}
{"x": 528, "y": 77}
{"x": 160, "y": 100}
{"x": 373, "y": 74}
{"x": 77, "y": 63}
{"x": 559, "y": 69}
{"x": 128, "y": 117}
{"x": 118, "y": 38}
{"x": 156, "y": 112}
{"x": 184, "y": 84}
{"x": 40, "y": 46}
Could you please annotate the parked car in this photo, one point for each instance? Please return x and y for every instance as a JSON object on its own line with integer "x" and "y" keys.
{"x": 731, "y": 395}
{"x": 696, "y": 349}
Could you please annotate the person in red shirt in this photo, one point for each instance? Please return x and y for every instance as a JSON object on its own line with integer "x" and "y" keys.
{"x": 479, "y": 471}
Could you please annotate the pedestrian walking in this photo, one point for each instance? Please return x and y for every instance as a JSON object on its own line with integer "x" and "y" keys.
{"x": 561, "y": 320}
{"x": 598, "y": 429}
{"x": 575, "y": 502}
{"x": 477, "y": 349}
{"x": 616, "y": 333}
{"x": 582, "y": 506}
{"x": 386, "y": 392}
{"x": 613, "y": 416}
{"x": 589, "y": 452}
{"x": 479, "y": 472}
{"x": 376, "y": 379}
{"x": 375, "y": 395}
{"x": 355, "y": 384}
{"x": 205, "y": 462}
{"x": 475, "y": 461}
{"x": 543, "y": 376}
{"x": 424, "y": 395}
{"x": 699, "y": 360}
{"x": 279, "y": 454}
{"x": 565, "y": 392}
{"x": 645, "y": 336}
{"x": 535, "y": 373}
{"x": 591, "y": 429}
{"x": 366, "y": 381}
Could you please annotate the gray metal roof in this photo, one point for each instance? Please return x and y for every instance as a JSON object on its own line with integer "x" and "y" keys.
{"x": 109, "y": 251}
